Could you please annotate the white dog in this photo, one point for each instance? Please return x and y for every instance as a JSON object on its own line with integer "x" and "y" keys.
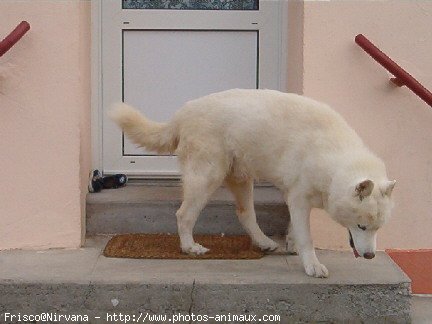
{"x": 302, "y": 146}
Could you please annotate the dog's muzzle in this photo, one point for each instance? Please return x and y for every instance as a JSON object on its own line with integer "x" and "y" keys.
{"x": 367, "y": 255}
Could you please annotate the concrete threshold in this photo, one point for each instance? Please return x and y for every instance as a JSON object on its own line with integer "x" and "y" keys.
{"x": 151, "y": 209}
{"x": 82, "y": 281}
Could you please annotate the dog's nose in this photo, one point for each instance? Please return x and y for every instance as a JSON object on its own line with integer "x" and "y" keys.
{"x": 369, "y": 255}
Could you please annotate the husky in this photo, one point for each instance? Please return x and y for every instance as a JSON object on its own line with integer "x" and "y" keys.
{"x": 302, "y": 146}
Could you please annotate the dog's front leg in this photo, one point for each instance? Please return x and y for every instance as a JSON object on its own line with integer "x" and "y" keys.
{"x": 300, "y": 221}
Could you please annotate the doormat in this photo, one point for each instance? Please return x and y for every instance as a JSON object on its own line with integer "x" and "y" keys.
{"x": 417, "y": 264}
{"x": 166, "y": 246}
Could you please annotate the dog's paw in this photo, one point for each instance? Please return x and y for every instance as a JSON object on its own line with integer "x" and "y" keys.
{"x": 267, "y": 245}
{"x": 196, "y": 249}
{"x": 317, "y": 270}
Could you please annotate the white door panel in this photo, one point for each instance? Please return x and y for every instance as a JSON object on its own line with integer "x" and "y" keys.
{"x": 164, "y": 69}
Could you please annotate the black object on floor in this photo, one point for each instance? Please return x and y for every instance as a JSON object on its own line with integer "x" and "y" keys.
{"x": 114, "y": 181}
{"x": 97, "y": 182}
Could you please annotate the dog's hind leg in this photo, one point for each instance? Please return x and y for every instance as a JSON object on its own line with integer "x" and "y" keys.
{"x": 243, "y": 193}
{"x": 199, "y": 183}
{"x": 290, "y": 241}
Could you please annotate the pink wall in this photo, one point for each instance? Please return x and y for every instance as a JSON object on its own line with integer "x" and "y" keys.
{"x": 295, "y": 46}
{"x": 393, "y": 121}
{"x": 44, "y": 124}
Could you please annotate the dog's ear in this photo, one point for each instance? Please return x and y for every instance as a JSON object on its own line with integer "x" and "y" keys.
{"x": 388, "y": 188}
{"x": 364, "y": 189}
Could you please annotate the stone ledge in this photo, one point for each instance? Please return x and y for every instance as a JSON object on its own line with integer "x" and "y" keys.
{"x": 151, "y": 209}
{"x": 83, "y": 281}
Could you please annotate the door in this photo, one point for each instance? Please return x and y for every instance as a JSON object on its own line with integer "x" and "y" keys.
{"x": 158, "y": 59}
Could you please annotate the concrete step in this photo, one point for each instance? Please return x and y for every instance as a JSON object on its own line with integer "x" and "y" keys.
{"x": 151, "y": 209}
{"x": 84, "y": 282}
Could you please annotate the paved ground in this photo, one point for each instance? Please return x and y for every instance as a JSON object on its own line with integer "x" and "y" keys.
{"x": 85, "y": 264}
{"x": 421, "y": 309}
{"x": 417, "y": 264}
{"x": 278, "y": 281}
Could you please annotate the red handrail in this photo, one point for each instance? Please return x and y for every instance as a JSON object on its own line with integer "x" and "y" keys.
{"x": 14, "y": 37}
{"x": 401, "y": 77}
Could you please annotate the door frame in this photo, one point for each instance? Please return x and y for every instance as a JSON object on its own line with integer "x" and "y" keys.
{"x": 256, "y": 21}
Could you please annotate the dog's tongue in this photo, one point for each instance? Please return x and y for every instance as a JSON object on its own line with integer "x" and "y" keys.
{"x": 356, "y": 254}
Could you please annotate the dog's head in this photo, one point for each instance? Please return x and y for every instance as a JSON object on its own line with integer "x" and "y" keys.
{"x": 362, "y": 208}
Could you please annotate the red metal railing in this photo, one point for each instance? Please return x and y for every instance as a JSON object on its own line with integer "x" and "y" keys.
{"x": 401, "y": 77}
{"x": 14, "y": 37}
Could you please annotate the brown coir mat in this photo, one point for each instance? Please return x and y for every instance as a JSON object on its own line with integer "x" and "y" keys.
{"x": 165, "y": 246}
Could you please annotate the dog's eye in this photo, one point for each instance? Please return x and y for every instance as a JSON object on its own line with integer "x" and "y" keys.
{"x": 362, "y": 227}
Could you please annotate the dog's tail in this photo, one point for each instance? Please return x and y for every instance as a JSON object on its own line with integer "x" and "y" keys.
{"x": 159, "y": 137}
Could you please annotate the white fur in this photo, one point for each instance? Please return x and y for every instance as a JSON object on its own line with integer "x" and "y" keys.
{"x": 302, "y": 146}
